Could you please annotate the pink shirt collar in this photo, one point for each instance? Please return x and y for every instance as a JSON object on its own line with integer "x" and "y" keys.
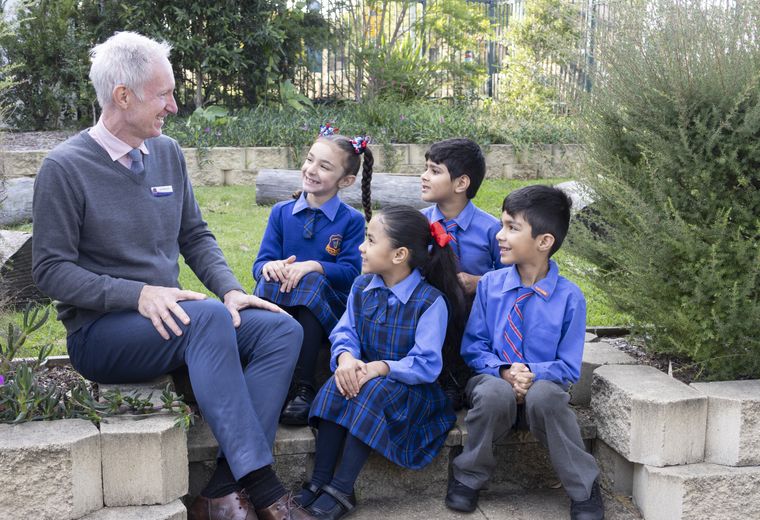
{"x": 115, "y": 147}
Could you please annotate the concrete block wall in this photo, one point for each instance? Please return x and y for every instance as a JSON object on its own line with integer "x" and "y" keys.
{"x": 644, "y": 429}
{"x": 683, "y": 452}
{"x": 68, "y": 469}
{"x": 223, "y": 166}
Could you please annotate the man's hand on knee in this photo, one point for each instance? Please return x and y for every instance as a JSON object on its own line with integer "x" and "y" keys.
{"x": 236, "y": 301}
{"x": 159, "y": 305}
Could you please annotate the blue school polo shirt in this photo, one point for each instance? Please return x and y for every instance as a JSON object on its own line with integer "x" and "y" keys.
{"x": 338, "y": 231}
{"x": 554, "y": 325}
{"x": 479, "y": 251}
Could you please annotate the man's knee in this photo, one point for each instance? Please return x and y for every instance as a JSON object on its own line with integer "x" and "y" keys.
{"x": 271, "y": 332}
{"x": 205, "y": 313}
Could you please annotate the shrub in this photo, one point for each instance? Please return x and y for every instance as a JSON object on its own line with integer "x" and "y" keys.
{"x": 674, "y": 144}
{"x": 26, "y": 394}
{"x": 386, "y": 121}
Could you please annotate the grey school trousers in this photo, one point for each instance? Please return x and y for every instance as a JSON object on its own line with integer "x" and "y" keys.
{"x": 493, "y": 413}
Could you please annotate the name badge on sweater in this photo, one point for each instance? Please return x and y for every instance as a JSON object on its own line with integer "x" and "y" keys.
{"x": 161, "y": 191}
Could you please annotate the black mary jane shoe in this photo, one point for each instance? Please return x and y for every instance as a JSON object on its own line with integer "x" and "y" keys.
{"x": 344, "y": 504}
{"x": 307, "y": 494}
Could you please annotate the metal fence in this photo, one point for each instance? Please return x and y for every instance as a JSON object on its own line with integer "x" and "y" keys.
{"x": 334, "y": 72}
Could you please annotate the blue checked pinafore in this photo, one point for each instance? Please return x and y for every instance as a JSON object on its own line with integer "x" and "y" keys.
{"x": 407, "y": 424}
{"x": 313, "y": 291}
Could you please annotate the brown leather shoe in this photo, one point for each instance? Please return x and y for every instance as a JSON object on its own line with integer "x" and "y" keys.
{"x": 234, "y": 506}
{"x": 286, "y": 508}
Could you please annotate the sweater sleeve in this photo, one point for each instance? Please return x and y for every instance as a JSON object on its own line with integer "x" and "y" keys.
{"x": 199, "y": 246}
{"x": 57, "y": 210}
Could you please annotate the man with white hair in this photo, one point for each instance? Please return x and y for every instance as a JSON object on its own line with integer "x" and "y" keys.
{"x": 113, "y": 210}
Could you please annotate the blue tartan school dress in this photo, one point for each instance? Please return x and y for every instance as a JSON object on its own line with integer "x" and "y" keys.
{"x": 407, "y": 424}
{"x": 329, "y": 235}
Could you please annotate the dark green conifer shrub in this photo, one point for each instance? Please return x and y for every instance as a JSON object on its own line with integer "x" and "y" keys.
{"x": 673, "y": 133}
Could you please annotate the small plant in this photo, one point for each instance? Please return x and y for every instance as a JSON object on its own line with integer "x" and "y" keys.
{"x": 26, "y": 396}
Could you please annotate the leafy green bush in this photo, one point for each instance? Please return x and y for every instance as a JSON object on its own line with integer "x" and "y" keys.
{"x": 674, "y": 140}
{"x": 25, "y": 395}
{"x": 386, "y": 121}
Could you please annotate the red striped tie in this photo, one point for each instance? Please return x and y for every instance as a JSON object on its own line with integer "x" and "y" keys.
{"x": 451, "y": 228}
{"x": 513, "y": 353}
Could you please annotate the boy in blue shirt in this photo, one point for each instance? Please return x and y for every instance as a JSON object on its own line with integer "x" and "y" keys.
{"x": 454, "y": 171}
{"x": 524, "y": 339}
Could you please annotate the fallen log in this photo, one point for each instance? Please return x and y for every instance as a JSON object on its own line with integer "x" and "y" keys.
{"x": 16, "y": 201}
{"x": 275, "y": 185}
{"x": 16, "y": 285}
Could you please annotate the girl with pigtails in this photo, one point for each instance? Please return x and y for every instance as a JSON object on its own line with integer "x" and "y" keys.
{"x": 386, "y": 356}
{"x": 309, "y": 255}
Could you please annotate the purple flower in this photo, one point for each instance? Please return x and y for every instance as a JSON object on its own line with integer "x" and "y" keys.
{"x": 2, "y": 380}
{"x": 207, "y": 129}
{"x": 403, "y": 117}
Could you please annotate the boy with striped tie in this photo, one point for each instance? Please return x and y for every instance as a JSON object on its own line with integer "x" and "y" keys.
{"x": 524, "y": 339}
{"x": 454, "y": 171}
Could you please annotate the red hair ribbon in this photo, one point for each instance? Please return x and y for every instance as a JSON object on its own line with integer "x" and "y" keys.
{"x": 440, "y": 236}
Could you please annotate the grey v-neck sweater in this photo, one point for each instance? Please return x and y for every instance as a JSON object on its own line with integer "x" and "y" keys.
{"x": 101, "y": 232}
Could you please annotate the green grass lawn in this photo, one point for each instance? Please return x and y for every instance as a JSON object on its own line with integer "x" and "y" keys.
{"x": 239, "y": 224}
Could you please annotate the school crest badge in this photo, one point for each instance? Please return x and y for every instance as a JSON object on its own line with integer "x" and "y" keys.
{"x": 333, "y": 245}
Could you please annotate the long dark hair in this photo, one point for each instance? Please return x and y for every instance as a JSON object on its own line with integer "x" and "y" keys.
{"x": 407, "y": 227}
{"x": 352, "y": 161}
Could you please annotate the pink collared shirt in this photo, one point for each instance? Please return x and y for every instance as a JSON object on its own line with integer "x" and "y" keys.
{"x": 115, "y": 147}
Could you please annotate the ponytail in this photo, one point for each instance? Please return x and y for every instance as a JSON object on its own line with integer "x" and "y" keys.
{"x": 441, "y": 271}
{"x": 369, "y": 161}
{"x": 407, "y": 227}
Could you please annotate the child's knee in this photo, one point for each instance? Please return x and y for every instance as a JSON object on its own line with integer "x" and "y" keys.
{"x": 493, "y": 394}
{"x": 545, "y": 396}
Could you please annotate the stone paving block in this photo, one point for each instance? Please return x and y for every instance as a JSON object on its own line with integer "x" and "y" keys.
{"x": 520, "y": 171}
{"x": 203, "y": 172}
{"x": 201, "y": 443}
{"x": 647, "y": 416}
{"x": 733, "y": 422}
{"x": 417, "y": 155}
{"x": 23, "y": 163}
{"x": 171, "y": 511}
{"x": 382, "y": 478}
{"x": 240, "y": 178}
{"x": 144, "y": 461}
{"x": 387, "y": 159}
{"x": 590, "y": 337}
{"x": 50, "y": 470}
{"x": 697, "y": 492}
{"x": 278, "y": 157}
{"x": 594, "y": 356}
{"x": 616, "y": 473}
{"x": 291, "y": 440}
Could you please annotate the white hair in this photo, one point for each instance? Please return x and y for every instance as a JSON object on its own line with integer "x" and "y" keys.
{"x": 124, "y": 59}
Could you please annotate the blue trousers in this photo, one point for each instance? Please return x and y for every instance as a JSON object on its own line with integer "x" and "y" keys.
{"x": 240, "y": 377}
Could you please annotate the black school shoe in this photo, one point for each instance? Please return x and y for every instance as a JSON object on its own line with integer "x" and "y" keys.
{"x": 460, "y": 497}
{"x": 344, "y": 505}
{"x": 590, "y": 509}
{"x": 296, "y": 411}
